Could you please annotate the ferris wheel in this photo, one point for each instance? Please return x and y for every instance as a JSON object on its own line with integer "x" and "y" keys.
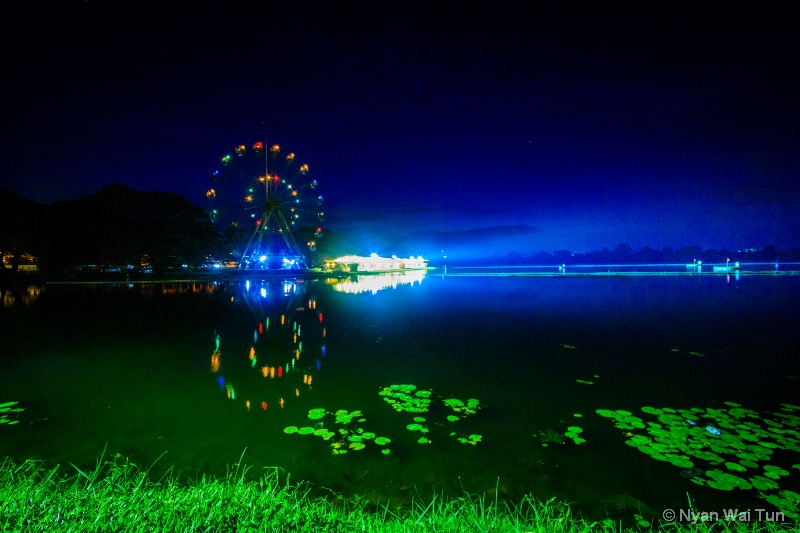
{"x": 268, "y": 207}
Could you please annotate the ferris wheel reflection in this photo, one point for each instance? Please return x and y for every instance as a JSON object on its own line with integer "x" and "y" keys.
{"x": 279, "y": 360}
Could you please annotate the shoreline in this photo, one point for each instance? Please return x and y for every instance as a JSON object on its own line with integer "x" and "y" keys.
{"x": 23, "y": 279}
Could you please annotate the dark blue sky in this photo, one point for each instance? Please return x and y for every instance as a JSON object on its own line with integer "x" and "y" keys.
{"x": 483, "y": 129}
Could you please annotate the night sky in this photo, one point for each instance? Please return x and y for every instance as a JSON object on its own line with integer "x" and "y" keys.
{"x": 478, "y": 130}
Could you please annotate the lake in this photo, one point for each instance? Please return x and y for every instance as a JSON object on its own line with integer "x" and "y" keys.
{"x": 619, "y": 394}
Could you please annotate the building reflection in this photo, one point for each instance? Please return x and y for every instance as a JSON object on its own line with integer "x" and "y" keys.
{"x": 376, "y": 282}
{"x": 273, "y": 359}
{"x": 20, "y": 297}
{"x": 154, "y": 289}
{"x": 186, "y": 288}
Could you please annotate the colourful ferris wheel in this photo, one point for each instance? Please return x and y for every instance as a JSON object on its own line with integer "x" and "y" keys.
{"x": 268, "y": 207}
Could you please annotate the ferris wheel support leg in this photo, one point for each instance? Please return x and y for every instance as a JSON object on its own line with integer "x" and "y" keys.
{"x": 291, "y": 243}
{"x": 257, "y": 234}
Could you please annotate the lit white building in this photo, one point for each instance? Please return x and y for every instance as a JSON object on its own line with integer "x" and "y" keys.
{"x": 373, "y": 263}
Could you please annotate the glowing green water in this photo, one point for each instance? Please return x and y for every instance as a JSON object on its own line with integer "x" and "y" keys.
{"x": 439, "y": 385}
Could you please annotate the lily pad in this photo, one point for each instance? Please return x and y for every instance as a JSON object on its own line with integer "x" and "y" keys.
{"x": 343, "y": 417}
{"x": 762, "y": 483}
{"x": 745, "y": 439}
{"x": 290, "y": 429}
{"x": 725, "y": 478}
{"x": 735, "y": 466}
{"x": 720, "y": 484}
{"x": 403, "y": 398}
{"x": 316, "y": 414}
{"x": 681, "y": 462}
{"x": 778, "y": 471}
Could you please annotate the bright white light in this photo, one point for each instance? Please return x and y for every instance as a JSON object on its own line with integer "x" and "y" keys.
{"x": 375, "y": 263}
{"x": 263, "y": 292}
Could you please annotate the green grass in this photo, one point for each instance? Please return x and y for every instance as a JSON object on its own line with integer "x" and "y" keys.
{"x": 119, "y": 496}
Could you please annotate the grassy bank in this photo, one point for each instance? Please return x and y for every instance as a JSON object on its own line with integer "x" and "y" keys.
{"x": 119, "y": 496}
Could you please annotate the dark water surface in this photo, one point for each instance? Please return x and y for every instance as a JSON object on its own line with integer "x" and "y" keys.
{"x": 133, "y": 368}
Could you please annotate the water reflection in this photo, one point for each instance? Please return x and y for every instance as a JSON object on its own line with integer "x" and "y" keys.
{"x": 153, "y": 289}
{"x": 275, "y": 356}
{"x": 20, "y": 297}
{"x": 376, "y": 282}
